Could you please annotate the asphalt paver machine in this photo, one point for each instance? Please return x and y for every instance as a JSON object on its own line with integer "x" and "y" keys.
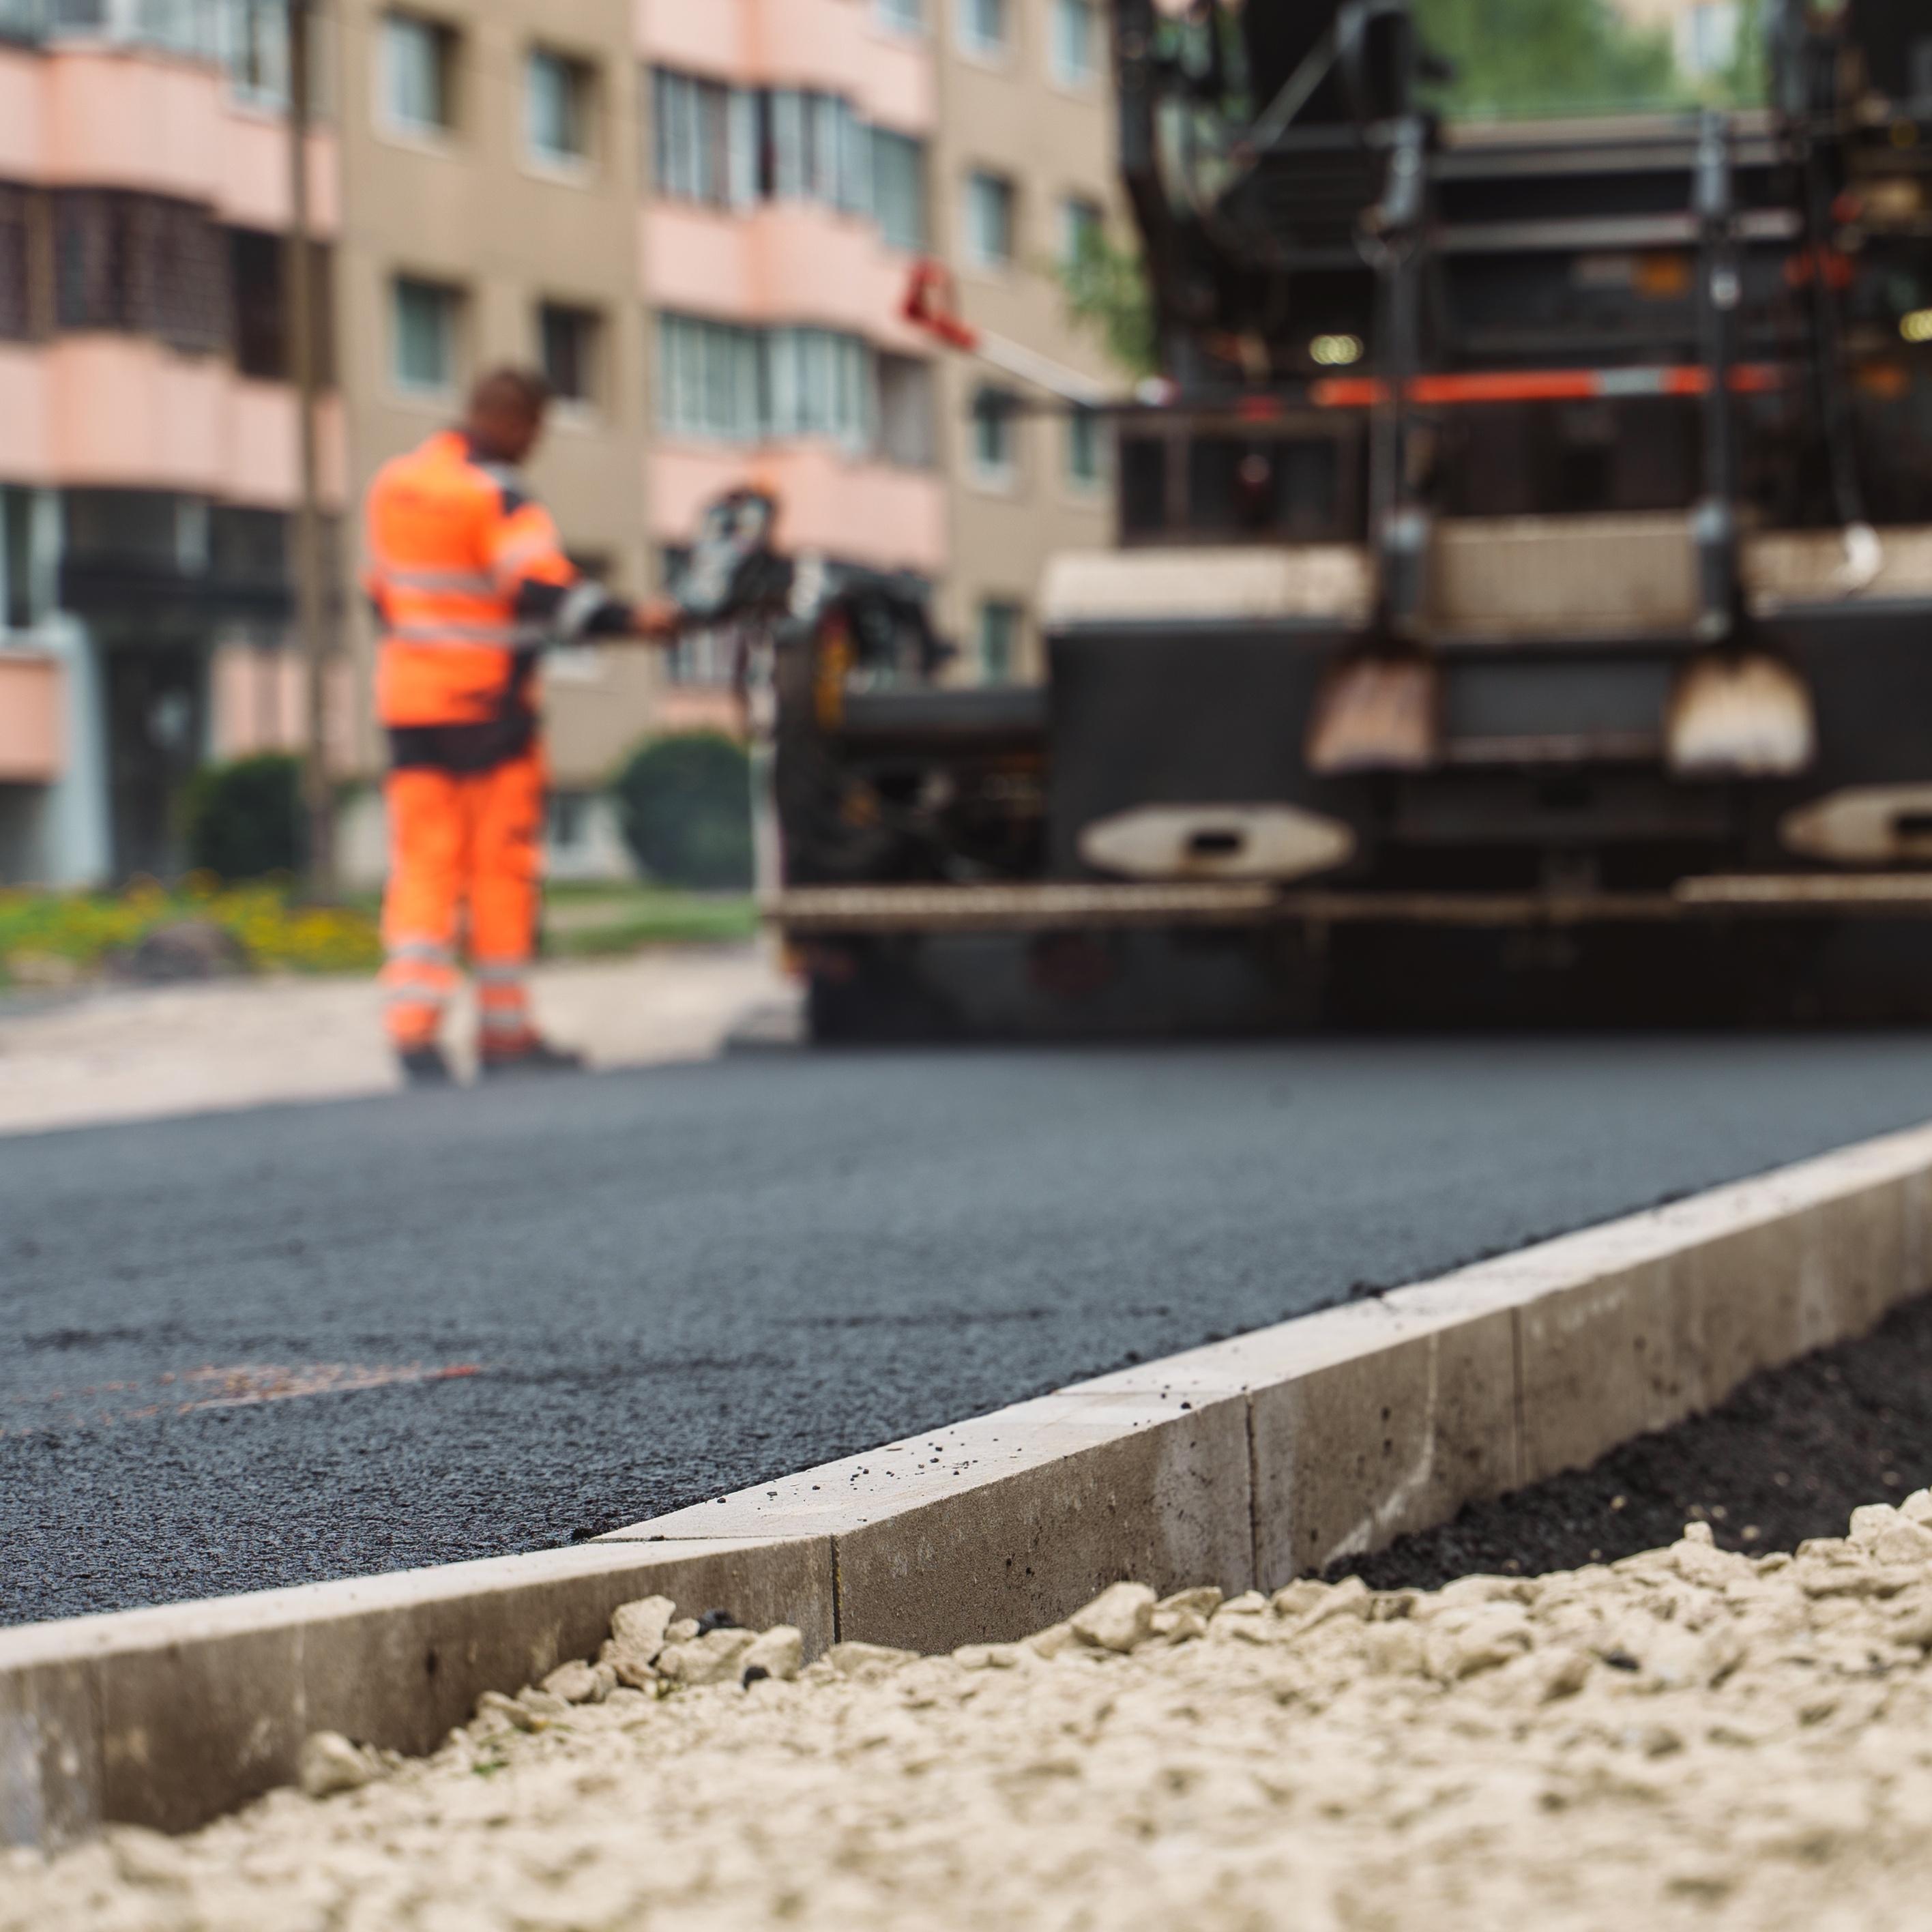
{"x": 1524, "y": 576}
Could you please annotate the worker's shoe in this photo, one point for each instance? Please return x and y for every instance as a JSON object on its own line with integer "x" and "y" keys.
{"x": 424, "y": 1066}
{"x": 532, "y": 1054}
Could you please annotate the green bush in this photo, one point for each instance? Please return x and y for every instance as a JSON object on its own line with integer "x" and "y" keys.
{"x": 684, "y": 803}
{"x": 243, "y": 820}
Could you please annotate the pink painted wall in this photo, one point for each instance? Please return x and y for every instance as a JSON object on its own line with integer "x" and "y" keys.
{"x": 119, "y": 410}
{"x": 31, "y": 720}
{"x": 787, "y": 263}
{"x": 116, "y": 118}
{"x": 258, "y": 701}
{"x": 22, "y": 114}
{"x": 869, "y": 512}
{"x": 837, "y": 46}
{"x": 26, "y": 440}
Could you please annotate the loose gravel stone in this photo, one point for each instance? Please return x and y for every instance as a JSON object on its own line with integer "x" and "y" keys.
{"x": 1689, "y": 1738}
{"x": 779, "y": 1653}
{"x": 581, "y": 1683}
{"x": 330, "y": 1763}
{"x": 1118, "y": 1619}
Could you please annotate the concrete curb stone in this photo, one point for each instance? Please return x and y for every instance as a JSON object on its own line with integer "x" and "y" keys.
{"x": 1242, "y": 1464}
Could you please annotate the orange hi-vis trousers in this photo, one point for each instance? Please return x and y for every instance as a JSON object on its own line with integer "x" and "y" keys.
{"x": 463, "y": 842}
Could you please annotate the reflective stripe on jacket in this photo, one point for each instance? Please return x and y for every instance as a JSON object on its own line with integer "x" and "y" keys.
{"x": 466, "y": 571}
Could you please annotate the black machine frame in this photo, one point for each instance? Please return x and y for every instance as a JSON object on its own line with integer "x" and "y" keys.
{"x": 1429, "y": 390}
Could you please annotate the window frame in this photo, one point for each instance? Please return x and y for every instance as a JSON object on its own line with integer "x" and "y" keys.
{"x": 1080, "y": 215}
{"x": 992, "y": 404}
{"x": 446, "y": 40}
{"x": 1080, "y": 80}
{"x": 580, "y": 77}
{"x": 589, "y": 400}
{"x": 1006, "y": 194}
{"x": 916, "y": 239}
{"x": 996, "y": 51}
{"x": 454, "y": 300}
{"x": 1013, "y": 611}
{"x": 1091, "y": 481}
{"x": 907, "y": 18}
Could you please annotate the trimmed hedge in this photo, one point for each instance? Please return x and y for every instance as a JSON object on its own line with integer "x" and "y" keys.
{"x": 245, "y": 820}
{"x": 684, "y": 804}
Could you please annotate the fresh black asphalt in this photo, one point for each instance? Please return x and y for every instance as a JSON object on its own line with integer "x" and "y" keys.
{"x": 677, "y": 1282}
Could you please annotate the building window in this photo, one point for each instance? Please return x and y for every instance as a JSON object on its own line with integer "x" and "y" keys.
{"x": 710, "y": 378}
{"x": 704, "y": 139}
{"x": 719, "y": 380}
{"x": 557, "y": 99}
{"x": 426, "y": 316}
{"x": 23, "y": 20}
{"x": 258, "y": 286}
{"x": 18, "y": 209}
{"x": 989, "y": 220}
{"x": 1084, "y": 446}
{"x": 907, "y": 413}
{"x": 419, "y": 74}
{"x": 902, "y": 16}
{"x": 820, "y": 385}
{"x": 570, "y": 342}
{"x": 255, "y": 49}
{"x": 818, "y": 149}
{"x": 1083, "y": 229}
{"x": 899, "y": 190}
{"x": 21, "y": 602}
{"x": 142, "y": 263}
{"x": 569, "y": 829}
{"x": 985, "y": 25}
{"x": 1000, "y": 626}
{"x": 994, "y": 439}
{"x": 1073, "y": 39}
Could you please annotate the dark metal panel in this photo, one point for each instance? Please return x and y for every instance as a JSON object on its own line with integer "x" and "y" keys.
{"x": 1155, "y": 717}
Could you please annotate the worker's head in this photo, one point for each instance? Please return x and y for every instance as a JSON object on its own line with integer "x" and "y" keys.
{"x": 506, "y": 413}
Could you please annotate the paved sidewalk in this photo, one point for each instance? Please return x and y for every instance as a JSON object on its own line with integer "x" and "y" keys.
{"x": 132, "y": 1055}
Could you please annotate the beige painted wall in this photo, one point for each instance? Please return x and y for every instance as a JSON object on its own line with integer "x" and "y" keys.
{"x": 474, "y": 210}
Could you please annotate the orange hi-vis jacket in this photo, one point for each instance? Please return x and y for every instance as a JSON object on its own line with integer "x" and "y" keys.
{"x": 469, "y": 580}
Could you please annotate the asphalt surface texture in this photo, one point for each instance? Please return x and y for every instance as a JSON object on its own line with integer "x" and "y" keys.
{"x": 247, "y": 1350}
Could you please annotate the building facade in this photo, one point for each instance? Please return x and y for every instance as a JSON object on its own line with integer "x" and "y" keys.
{"x": 700, "y": 219}
{"x": 148, "y": 432}
{"x": 802, "y": 156}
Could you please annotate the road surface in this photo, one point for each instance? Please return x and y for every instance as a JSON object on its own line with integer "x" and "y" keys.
{"x": 243, "y": 1350}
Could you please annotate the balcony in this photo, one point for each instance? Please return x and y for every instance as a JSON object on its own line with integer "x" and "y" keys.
{"x": 31, "y": 689}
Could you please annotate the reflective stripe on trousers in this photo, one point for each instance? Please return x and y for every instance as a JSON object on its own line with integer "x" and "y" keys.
{"x": 466, "y": 850}
{"x": 419, "y": 976}
{"x": 502, "y": 1000}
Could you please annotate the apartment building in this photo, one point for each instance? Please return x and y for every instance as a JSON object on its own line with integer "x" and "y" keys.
{"x": 805, "y": 153}
{"x": 147, "y": 433}
{"x": 1023, "y": 163}
{"x": 489, "y": 157}
{"x": 700, "y": 216}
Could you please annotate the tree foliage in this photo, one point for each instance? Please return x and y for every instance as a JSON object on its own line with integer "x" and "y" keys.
{"x": 1106, "y": 289}
{"x": 1547, "y": 57}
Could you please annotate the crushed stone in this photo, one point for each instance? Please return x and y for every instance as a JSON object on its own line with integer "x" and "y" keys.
{"x": 1688, "y": 1737}
{"x": 1788, "y": 1455}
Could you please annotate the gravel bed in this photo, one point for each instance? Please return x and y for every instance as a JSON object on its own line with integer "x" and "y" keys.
{"x": 1690, "y": 1737}
{"x": 1790, "y": 1456}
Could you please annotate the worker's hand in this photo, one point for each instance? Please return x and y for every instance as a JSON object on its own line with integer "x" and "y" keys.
{"x": 658, "y": 619}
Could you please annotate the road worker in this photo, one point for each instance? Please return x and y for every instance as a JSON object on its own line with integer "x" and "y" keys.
{"x": 469, "y": 582}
